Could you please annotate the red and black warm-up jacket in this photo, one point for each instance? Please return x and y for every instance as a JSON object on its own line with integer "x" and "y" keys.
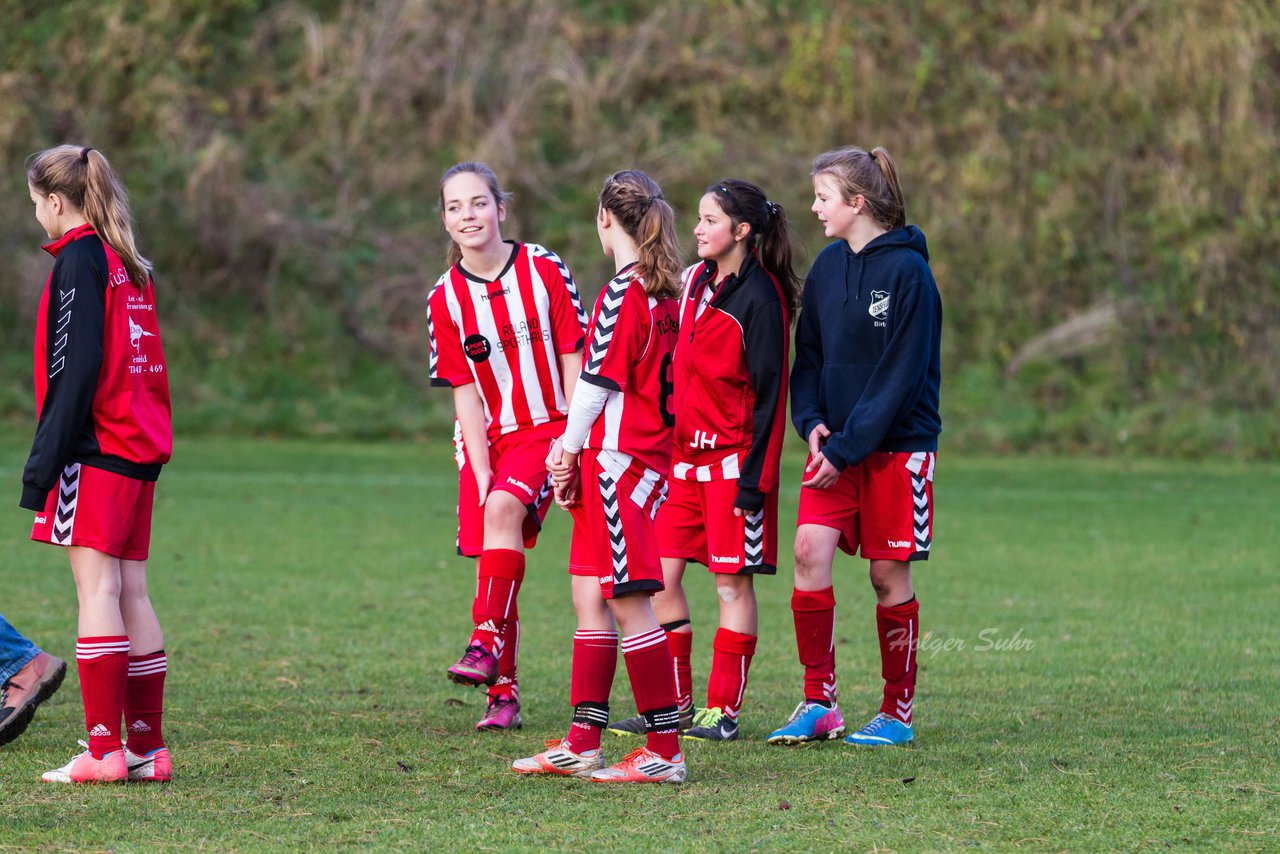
{"x": 102, "y": 386}
{"x": 730, "y": 376}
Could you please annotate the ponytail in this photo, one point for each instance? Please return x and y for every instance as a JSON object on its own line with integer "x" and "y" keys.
{"x": 743, "y": 201}
{"x": 85, "y": 179}
{"x": 874, "y": 176}
{"x": 636, "y": 202}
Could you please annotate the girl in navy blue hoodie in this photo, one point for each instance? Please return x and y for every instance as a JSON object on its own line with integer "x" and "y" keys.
{"x": 864, "y": 395}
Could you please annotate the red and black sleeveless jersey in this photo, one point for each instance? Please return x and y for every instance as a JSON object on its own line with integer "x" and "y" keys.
{"x": 731, "y": 380}
{"x": 101, "y": 382}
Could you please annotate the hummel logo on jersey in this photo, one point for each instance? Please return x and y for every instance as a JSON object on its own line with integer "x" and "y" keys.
{"x": 879, "y": 308}
{"x": 100, "y": 731}
{"x": 139, "y": 726}
{"x": 497, "y": 292}
{"x": 899, "y": 544}
{"x": 137, "y": 333}
{"x": 702, "y": 440}
{"x": 524, "y": 486}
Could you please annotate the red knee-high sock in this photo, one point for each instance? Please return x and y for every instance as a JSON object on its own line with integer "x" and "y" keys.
{"x": 498, "y": 581}
{"x": 595, "y": 659}
{"x": 654, "y": 685}
{"x": 144, "y": 701}
{"x": 681, "y": 646}
{"x": 507, "y": 685}
{"x": 731, "y": 654}
{"x": 899, "y": 629}
{"x": 815, "y": 616}
{"x": 103, "y": 663}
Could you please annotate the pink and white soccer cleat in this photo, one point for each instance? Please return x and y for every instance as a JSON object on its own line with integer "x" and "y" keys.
{"x": 644, "y": 766}
{"x": 84, "y": 768}
{"x": 153, "y": 767}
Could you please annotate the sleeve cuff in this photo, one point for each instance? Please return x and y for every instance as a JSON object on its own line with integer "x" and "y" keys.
{"x": 749, "y": 499}
{"x": 33, "y": 498}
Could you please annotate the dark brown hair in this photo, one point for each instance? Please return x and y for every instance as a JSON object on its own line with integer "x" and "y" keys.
{"x": 636, "y": 202}
{"x": 871, "y": 175}
{"x": 743, "y": 201}
{"x": 84, "y": 179}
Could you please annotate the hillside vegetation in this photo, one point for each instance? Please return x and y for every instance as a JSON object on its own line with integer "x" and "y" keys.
{"x": 1099, "y": 183}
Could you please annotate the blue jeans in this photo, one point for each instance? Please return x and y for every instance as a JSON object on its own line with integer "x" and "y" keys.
{"x": 15, "y": 650}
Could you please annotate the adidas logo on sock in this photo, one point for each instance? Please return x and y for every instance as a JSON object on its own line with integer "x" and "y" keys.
{"x": 487, "y": 626}
{"x": 100, "y": 731}
{"x": 139, "y": 726}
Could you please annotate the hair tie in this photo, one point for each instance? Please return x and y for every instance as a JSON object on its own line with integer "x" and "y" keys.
{"x": 84, "y": 155}
{"x": 772, "y": 207}
{"x": 653, "y": 199}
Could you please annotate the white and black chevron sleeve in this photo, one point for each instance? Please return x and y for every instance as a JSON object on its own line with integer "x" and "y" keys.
{"x": 605, "y": 364}
{"x": 73, "y": 357}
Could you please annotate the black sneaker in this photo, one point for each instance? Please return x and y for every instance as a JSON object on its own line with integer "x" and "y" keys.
{"x": 635, "y": 726}
{"x": 712, "y": 725}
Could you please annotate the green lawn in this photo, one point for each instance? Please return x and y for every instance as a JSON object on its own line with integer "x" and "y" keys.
{"x": 312, "y": 600}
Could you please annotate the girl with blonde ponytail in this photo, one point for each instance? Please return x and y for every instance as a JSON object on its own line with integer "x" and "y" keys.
{"x": 104, "y": 432}
{"x": 620, "y": 422}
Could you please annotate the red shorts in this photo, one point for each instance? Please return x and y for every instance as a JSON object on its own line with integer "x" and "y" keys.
{"x": 698, "y": 523}
{"x": 100, "y": 510}
{"x": 884, "y": 505}
{"x": 519, "y": 464}
{"x": 613, "y": 535}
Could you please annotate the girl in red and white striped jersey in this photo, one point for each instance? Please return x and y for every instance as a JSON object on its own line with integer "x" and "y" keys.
{"x": 730, "y": 374}
{"x": 620, "y": 422}
{"x": 102, "y": 393}
{"x": 506, "y": 329}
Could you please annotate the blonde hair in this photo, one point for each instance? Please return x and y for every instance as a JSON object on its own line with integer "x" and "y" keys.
{"x": 636, "y": 202}
{"x": 485, "y": 174}
{"x": 83, "y": 177}
{"x": 874, "y": 176}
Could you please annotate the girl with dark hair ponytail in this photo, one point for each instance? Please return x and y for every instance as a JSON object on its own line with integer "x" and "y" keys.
{"x": 865, "y": 398}
{"x": 620, "y": 425}
{"x": 102, "y": 393}
{"x": 730, "y": 377}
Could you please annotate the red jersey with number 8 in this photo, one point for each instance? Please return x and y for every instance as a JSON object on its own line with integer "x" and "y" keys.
{"x": 631, "y": 338}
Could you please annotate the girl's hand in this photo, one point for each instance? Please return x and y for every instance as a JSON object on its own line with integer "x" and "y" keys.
{"x": 567, "y": 492}
{"x": 554, "y": 454}
{"x": 817, "y": 436}
{"x": 484, "y": 481}
{"x": 823, "y": 474}
{"x": 565, "y": 479}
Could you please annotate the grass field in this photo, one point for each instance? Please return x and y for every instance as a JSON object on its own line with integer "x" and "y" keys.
{"x": 1102, "y": 672}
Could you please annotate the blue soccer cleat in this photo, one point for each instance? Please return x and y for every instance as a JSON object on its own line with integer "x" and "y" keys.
{"x": 810, "y": 722}
{"x": 882, "y": 730}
